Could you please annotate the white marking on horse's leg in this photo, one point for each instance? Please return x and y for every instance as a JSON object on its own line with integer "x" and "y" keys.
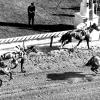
{"x": 61, "y": 46}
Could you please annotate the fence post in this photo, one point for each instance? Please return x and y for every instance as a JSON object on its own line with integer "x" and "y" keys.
{"x": 24, "y": 45}
{"x": 51, "y": 41}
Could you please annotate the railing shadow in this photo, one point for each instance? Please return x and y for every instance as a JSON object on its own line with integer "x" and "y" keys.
{"x": 72, "y": 8}
{"x": 63, "y": 15}
{"x": 48, "y": 49}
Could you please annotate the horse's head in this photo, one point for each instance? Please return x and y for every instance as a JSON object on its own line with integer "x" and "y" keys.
{"x": 92, "y": 27}
{"x": 32, "y": 48}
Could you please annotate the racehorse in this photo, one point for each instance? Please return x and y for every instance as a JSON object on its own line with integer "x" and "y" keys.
{"x": 30, "y": 48}
{"x": 12, "y": 53}
{"x": 12, "y": 56}
{"x": 78, "y": 34}
{"x": 94, "y": 62}
{"x": 5, "y": 70}
{"x": 20, "y": 59}
{"x": 7, "y": 55}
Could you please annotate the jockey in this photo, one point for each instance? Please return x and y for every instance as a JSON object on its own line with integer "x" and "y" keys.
{"x": 82, "y": 26}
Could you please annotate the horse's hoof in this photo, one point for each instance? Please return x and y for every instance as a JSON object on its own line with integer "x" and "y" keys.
{"x": 23, "y": 71}
{"x": 94, "y": 74}
{"x": 10, "y": 79}
{"x": 71, "y": 50}
{"x": 0, "y": 82}
{"x": 90, "y": 48}
{"x": 59, "y": 47}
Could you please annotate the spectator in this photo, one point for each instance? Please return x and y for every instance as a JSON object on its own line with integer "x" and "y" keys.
{"x": 95, "y": 6}
{"x": 31, "y": 13}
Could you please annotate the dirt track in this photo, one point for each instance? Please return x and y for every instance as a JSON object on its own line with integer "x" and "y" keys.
{"x": 54, "y": 75}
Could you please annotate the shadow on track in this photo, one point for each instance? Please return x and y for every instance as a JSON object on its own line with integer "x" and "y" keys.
{"x": 63, "y": 15}
{"x": 65, "y": 76}
{"x": 72, "y": 8}
{"x": 39, "y": 27}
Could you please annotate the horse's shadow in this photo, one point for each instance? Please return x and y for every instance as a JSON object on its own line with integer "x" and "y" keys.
{"x": 65, "y": 76}
{"x": 71, "y": 75}
{"x": 48, "y": 49}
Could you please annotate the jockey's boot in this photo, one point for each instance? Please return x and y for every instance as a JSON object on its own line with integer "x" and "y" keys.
{"x": 71, "y": 49}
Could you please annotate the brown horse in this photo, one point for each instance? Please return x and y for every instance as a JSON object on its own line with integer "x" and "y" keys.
{"x": 94, "y": 62}
{"x": 78, "y": 34}
{"x": 12, "y": 57}
{"x": 5, "y": 69}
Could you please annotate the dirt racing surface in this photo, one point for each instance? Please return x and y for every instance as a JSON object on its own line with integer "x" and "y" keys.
{"x": 54, "y": 74}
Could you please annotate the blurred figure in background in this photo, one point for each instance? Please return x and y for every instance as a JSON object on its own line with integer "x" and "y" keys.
{"x": 31, "y": 13}
{"x": 95, "y": 2}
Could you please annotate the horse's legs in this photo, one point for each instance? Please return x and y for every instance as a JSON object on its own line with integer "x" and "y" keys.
{"x": 94, "y": 69}
{"x": 22, "y": 68}
{"x": 14, "y": 66}
{"x": 66, "y": 42}
{"x": 9, "y": 74}
{"x": 88, "y": 44}
{"x": 15, "y": 63}
{"x": 78, "y": 43}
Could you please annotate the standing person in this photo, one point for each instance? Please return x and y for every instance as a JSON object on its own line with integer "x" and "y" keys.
{"x": 31, "y": 13}
{"x": 95, "y": 6}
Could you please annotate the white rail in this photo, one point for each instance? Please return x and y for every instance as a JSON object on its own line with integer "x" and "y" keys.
{"x": 31, "y": 37}
{"x": 37, "y": 39}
